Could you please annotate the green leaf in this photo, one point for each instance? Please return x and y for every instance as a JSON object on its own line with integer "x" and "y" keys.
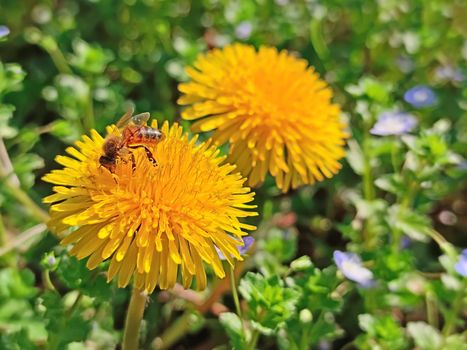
{"x": 455, "y": 341}
{"x": 234, "y": 328}
{"x": 65, "y": 131}
{"x": 425, "y": 336}
{"x": 392, "y": 183}
{"x": 24, "y": 166}
{"x": 281, "y": 244}
{"x": 11, "y": 77}
{"x": 318, "y": 288}
{"x": 376, "y": 90}
{"x": 270, "y": 304}
{"x": 409, "y": 222}
{"x": 16, "y": 341}
{"x": 73, "y": 97}
{"x": 322, "y": 329}
{"x": 17, "y": 283}
{"x": 382, "y": 330}
{"x": 27, "y": 138}
{"x": 63, "y": 328}
{"x": 76, "y": 275}
{"x": 6, "y": 131}
{"x": 301, "y": 263}
{"x": 371, "y": 87}
{"x": 12, "y": 308}
{"x": 355, "y": 157}
{"x": 90, "y": 58}
{"x": 366, "y": 322}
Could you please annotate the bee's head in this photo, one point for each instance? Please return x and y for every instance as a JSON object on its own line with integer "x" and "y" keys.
{"x": 111, "y": 146}
{"x": 107, "y": 162}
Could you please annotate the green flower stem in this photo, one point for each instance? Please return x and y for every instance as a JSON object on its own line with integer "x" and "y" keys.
{"x": 370, "y": 301}
{"x": 22, "y": 238}
{"x": 431, "y": 310}
{"x": 368, "y": 189}
{"x": 21, "y": 196}
{"x": 396, "y": 240}
{"x": 330, "y": 206}
{"x": 11, "y": 181}
{"x": 233, "y": 286}
{"x": 73, "y": 307}
{"x": 37, "y": 212}
{"x": 317, "y": 39}
{"x": 254, "y": 340}
{"x": 3, "y": 237}
{"x": 182, "y": 325}
{"x": 453, "y": 312}
{"x": 47, "y": 281}
{"x": 53, "y": 341}
{"x": 408, "y": 199}
{"x": 89, "y": 114}
{"x": 319, "y": 319}
{"x": 133, "y": 320}
{"x": 219, "y": 289}
{"x": 171, "y": 335}
{"x": 405, "y": 202}
{"x": 305, "y": 337}
{"x": 7, "y": 165}
{"x": 50, "y": 45}
{"x": 255, "y": 333}
{"x": 444, "y": 245}
{"x": 349, "y": 345}
{"x": 394, "y": 154}
{"x": 88, "y": 119}
{"x": 397, "y": 233}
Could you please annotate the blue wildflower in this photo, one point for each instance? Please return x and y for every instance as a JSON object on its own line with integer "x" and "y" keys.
{"x": 462, "y": 165}
{"x": 420, "y": 96}
{"x": 449, "y": 73}
{"x": 405, "y": 64}
{"x": 4, "y": 31}
{"x": 461, "y": 266}
{"x": 243, "y": 30}
{"x": 394, "y": 123}
{"x": 351, "y": 266}
{"x": 242, "y": 249}
{"x": 405, "y": 242}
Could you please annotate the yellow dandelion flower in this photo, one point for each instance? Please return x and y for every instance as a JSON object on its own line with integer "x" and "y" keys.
{"x": 272, "y": 108}
{"x": 151, "y": 220}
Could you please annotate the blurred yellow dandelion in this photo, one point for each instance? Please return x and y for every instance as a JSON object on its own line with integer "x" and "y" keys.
{"x": 272, "y": 108}
{"x": 151, "y": 221}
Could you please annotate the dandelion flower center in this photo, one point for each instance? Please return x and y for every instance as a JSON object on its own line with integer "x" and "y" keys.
{"x": 272, "y": 108}
{"x": 151, "y": 221}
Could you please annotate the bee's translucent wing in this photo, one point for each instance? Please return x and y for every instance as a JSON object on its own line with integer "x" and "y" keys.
{"x": 126, "y": 117}
{"x": 141, "y": 119}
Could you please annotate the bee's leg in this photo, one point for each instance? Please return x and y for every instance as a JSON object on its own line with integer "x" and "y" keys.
{"x": 125, "y": 153}
{"x": 148, "y": 153}
{"x": 111, "y": 171}
{"x": 133, "y": 162}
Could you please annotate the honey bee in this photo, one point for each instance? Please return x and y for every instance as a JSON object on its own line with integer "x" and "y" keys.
{"x": 135, "y": 134}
